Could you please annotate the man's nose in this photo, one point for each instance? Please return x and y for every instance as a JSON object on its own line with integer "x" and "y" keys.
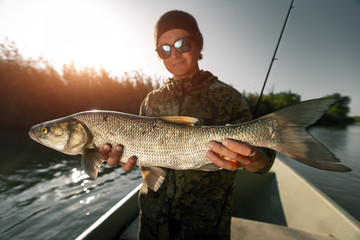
{"x": 174, "y": 52}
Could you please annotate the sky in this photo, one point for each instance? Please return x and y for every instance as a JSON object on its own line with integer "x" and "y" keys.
{"x": 319, "y": 53}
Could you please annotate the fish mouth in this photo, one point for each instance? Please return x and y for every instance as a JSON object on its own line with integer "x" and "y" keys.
{"x": 34, "y": 137}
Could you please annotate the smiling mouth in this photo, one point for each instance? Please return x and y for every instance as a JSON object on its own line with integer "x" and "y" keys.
{"x": 177, "y": 64}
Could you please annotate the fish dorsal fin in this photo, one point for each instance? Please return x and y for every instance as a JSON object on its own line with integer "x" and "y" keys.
{"x": 153, "y": 177}
{"x": 91, "y": 161}
{"x": 188, "y": 121}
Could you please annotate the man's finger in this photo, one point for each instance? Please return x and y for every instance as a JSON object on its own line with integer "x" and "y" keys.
{"x": 238, "y": 147}
{"x": 130, "y": 164}
{"x": 115, "y": 155}
{"x": 226, "y": 164}
{"x": 222, "y": 150}
{"x": 104, "y": 150}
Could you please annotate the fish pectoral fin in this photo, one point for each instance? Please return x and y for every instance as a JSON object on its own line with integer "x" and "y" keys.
{"x": 153, "y": 177}
{"x": 209, "y": 167}
{"x": 91, "y": 161}
{"x": 188, "y": 121}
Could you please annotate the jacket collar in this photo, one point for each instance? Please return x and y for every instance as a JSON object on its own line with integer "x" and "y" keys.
{"x": 186, "y": 83}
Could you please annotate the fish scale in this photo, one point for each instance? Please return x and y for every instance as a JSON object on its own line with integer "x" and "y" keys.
{"x": 156, "y": 142}
{"x": 169, "y": 142}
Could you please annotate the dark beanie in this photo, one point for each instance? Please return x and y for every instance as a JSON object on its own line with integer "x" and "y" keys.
{"x": 178, "y": 19}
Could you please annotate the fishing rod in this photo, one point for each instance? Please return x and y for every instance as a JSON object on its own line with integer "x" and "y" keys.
{"x": 257, "y": 105}
{"x": 256, "y": 112}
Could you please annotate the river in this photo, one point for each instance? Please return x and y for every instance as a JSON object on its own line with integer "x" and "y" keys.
{"x": 45, "y": 195}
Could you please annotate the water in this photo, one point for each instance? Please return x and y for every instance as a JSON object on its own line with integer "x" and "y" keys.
{"x": 343, "y": 188}
{"x": 45, "y": 195}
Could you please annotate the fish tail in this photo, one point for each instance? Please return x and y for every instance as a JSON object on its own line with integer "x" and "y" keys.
{"x": 297, "y": 143}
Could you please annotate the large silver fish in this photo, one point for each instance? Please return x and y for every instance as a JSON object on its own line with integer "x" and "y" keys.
{"x": 173, "y": 142}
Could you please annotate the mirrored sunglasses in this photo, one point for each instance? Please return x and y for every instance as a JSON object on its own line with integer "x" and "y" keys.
{"x": 182, "y": 45}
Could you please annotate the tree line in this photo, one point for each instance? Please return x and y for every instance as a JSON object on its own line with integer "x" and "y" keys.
{"x": 336, "y": 115}
{"x": 33, "y": 91}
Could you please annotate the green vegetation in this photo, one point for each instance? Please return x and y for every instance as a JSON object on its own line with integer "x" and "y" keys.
{"x": 337, "y": 115}
{"x": 357, "y": 119}
{"x": 32, "y": 91}
{"x": 271, "y": 102}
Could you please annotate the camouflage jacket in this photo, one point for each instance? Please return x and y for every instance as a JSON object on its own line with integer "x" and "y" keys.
{"x": 192, "y": 204}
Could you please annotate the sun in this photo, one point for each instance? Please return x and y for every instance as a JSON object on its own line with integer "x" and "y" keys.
{"x": 85, "y": 33}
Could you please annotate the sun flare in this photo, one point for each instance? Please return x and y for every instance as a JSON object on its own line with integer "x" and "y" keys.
{"x": 85, "y": 33}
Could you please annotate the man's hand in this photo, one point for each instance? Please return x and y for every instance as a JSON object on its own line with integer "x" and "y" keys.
{"x": 112, "y": 155}
{"x": 232, "y": 155}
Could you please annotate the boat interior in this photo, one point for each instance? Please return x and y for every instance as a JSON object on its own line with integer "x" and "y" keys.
{"x": 278, "y": 205}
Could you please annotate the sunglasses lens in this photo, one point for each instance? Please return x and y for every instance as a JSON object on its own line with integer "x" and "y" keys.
{"x": 166, "y": 48}
{"x": 181, "y": 46}
{"x": 178, "y": 43}
{"x": 164, "y": 51}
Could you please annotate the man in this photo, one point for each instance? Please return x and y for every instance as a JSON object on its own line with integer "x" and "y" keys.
{"x": 192, "y": 204}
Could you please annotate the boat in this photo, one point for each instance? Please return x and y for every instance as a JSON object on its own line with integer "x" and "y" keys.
{"x": 278, "y": 205}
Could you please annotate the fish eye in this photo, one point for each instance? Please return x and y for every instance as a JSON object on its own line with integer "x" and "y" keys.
{"x": 44, "y": 130}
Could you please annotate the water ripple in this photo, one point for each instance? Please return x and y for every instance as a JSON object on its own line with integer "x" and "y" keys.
{"x": 25, "y": 219}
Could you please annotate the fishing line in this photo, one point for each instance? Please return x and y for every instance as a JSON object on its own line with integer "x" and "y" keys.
{"x": 256, "y": 112}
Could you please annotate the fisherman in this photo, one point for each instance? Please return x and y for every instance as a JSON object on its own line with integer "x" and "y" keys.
{"x": 192, "y": 204}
